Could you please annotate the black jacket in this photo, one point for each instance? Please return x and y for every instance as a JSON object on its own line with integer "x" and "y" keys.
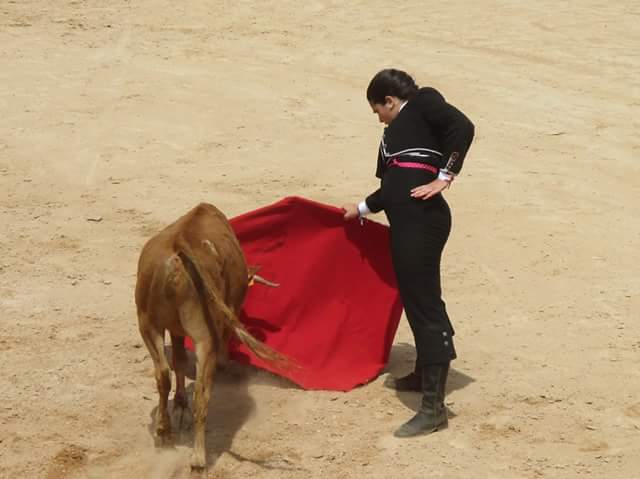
{"x": 427, "y": 130}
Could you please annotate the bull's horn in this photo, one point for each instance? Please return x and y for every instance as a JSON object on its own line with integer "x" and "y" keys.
{"x": 259, "y": 279}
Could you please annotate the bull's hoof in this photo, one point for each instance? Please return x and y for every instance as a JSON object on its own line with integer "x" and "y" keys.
{"x": 198, "y": 464}
{"x": 163, "y": 429}
{"x": 163, "y": 439}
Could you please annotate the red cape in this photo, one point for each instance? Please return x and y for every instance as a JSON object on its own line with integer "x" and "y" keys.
{"x": 337, "y": 308}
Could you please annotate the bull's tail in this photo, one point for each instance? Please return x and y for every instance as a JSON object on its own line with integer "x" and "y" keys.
{"x": 230, "y": 319}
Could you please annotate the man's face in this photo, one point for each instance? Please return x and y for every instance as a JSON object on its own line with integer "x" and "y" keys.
{"x": 388, "y": 111}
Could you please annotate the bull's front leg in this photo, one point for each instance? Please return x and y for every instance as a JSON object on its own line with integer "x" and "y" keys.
{"x": 205, "y": 368}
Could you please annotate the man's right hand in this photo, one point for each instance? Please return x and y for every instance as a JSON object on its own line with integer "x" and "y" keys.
{"x": 351, "y": 211}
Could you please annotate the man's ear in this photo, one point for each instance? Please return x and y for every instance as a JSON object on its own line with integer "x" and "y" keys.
{"x": 390, "y": 101}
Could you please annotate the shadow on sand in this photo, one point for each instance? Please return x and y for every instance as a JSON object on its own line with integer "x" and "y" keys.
{"x": 230, "y": 406}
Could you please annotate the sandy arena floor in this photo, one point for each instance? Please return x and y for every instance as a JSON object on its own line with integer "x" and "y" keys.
{"x": 117, "y": 117}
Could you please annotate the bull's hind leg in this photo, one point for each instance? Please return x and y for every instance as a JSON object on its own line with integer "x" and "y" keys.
{"x": 155, "y": 344}
{"x": 181, "y": 414}
{"x": 205, "y": 368}
{"x": 195, "y": 325}
{"x": 223, "y": 350}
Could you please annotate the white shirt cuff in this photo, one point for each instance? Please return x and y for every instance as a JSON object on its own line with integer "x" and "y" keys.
{"x": 445, "y": 176}
{"x": 363, "y": 209}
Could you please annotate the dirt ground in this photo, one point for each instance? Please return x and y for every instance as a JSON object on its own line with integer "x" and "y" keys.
{"x": 117, "y": 117}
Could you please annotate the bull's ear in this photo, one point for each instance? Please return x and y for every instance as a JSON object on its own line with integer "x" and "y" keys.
{"x": 253, "y": 270}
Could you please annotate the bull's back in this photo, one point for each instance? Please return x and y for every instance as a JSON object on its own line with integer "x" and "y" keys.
{"x": 204, "y": 223}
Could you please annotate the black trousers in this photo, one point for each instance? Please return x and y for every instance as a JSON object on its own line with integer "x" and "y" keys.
{"x": 419, "y": 232}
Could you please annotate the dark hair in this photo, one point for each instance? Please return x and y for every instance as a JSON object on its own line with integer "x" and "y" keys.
{"x": 391, "y": 82}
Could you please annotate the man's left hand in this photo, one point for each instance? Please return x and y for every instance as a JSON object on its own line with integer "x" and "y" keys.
{"x": 425, "y": 192}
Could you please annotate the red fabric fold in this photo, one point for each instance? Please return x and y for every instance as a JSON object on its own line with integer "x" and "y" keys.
{"x": 337, "y": 308}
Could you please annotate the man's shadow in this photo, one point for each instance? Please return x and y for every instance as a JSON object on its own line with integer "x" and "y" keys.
{"x": 402, "y": 362}
{"x": 230, "y": 406}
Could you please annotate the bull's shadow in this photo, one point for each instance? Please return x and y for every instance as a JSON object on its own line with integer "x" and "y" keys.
{"x": 230, "y": 406}
{"x": 402, "y": 361}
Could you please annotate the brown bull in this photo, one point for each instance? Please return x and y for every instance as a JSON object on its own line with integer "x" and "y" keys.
{"x": 192, "y": 281}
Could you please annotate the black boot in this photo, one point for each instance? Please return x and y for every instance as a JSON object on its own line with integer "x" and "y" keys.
{"x": 432, "y": 414}
{"x": 410, "y": 382}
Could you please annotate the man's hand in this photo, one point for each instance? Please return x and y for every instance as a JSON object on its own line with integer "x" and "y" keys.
{"x": 425, "y": 192}
{"x": 351, "y": 212}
